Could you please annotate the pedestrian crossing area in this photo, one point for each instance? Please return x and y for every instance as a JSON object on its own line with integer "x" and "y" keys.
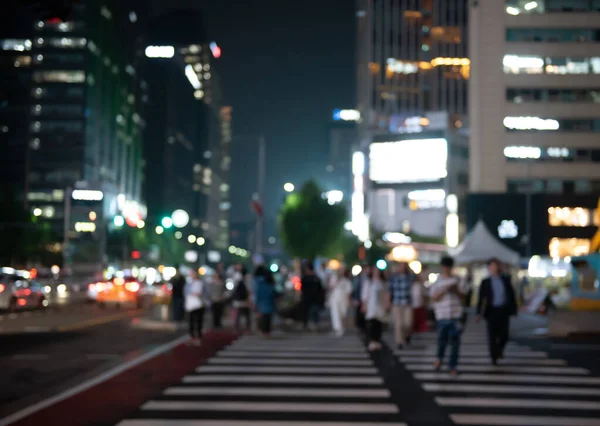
{"x": 296, "y": 380}
{"x": 526, "y": 388}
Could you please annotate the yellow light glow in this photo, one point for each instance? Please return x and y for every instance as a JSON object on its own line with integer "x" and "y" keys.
{"x": 85, "y": 227}
{"x": 202, "y": 270}
{"x": 92, "y": 216}
{"x": 416, "y": 266}
{"x": 404, "y": 253}
{"x": 334, "y": 265}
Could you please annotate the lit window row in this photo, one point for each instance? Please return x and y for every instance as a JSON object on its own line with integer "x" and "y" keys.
{"x": 552, "y": 124}
{"x": 571, "y": 216}
{"x": 75, "y": 76}
{"x": 553, "y": 95}
{"x": 18, "y": 45}
{"x": 56, "y": 195}
{"x": 62, "y": 42}
{"x": 67, "y": 126}
{"x": 54, "y": 92}
{"x": 552, "y": 35}
{"x": 553, "y": 186}
{"x": 552, "y": 154}
{"x": 527, "y": 64}
{"x": 518, "y": 7}
{"x": 63, "y": 27}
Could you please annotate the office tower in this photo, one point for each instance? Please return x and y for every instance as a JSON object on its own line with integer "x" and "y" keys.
{"x": 78, "y": 124}
{"x": 188, "y": 134}
{"x": 534, "y": 175}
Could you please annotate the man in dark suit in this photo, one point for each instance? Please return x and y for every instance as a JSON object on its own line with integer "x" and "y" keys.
{"x": 497, "y": 304}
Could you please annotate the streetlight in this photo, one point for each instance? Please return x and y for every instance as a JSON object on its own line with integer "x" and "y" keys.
{"x": 37, "y": 212}
{"x": 289, "y": 187}
{"x": 192, "y": 239}
{"x": 159, "y": 230}
{"x": 200, "y": 241}
{"x": 140, "y": 224}
{"x": 119, "y": 221}
{"x": 180, "y": 218}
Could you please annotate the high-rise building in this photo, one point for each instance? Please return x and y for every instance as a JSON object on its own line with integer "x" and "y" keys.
{"x": 412, "y": 74}
{"x": 534, "y": 122}
{"x": 412, "y": 58}
{"x": 189, "y": 130}
{"x": 78, "y": 123}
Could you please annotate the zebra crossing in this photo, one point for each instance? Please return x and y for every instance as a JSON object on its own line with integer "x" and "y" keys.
{"x": 298, "y": 380}
{"x": 526, "y": 388}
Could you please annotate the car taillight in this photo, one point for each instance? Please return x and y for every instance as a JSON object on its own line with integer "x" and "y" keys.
{"x": 2, "y": 288}
{"x": 132, "y": 286}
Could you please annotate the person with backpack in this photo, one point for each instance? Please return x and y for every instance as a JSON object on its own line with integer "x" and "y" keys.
{"x": 241, "y": 298}
{"x": 265, "y": 295}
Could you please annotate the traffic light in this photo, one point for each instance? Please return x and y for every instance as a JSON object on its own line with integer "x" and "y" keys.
{"x": 166, "y": 222}
{"x": 136, "y": 254}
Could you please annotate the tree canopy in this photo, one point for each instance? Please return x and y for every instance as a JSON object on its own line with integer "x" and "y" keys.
{"x": 309, "y": 226}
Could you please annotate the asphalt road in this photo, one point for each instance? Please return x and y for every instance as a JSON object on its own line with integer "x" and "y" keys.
{"x": 44, "y": 352}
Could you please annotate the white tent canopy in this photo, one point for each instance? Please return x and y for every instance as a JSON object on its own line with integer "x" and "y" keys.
{"x": 480, "y": 246}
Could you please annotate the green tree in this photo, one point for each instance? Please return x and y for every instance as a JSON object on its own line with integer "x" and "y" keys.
{"x": 309, "y": 226}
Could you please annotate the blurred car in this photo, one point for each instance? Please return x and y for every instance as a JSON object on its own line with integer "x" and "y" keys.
{"x": 119, "y": 292}
{"x": 92, "y": 291}
{"x": 18, "y": 291}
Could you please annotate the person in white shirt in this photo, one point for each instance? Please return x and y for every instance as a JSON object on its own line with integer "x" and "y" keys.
{"x": 195, "y": 305}
{"x": 447, "y": 295}
{"x": 340, "y": 288}
{"x": 419, "y": 304}
{"x": 374, "y": 305}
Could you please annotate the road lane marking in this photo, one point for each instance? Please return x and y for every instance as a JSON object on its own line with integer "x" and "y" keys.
{"x": 315, "y": 355}
{"x": 294, "y": 392}
{"x": 322, "y": 380}
{"x": 98, "y": 321}
{"x": 34, "y": 408}
{"x": 510, "y": 389}
{"x": 226, "y": 360}
{"x": 516, "y": 378}
{"x": 184, "y": 422}
{"x": 508, "y": 369}
{"x": 517, "y": 403}
{"x": 484, "y": 360}
{"x": 473, "y": 353}
{"x": 285, "y": 369}
{"x": 508, "y": 420}
{"x": 290, "y": 407}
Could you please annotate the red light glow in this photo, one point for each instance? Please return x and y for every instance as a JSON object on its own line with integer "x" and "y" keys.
{"x": 297, "y": 283}
{"x": 2, "y": 288}
{"x": 217, "y": 52}
{"x": 54, "y": 21}
{"x": 21, "y": 302}
{"x": 136, "y": 254}
{"x": 27, "y": 292}
{"x": 33, "y": 273}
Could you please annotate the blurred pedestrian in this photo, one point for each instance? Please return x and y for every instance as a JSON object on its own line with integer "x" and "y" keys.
{"x": 241, "y": 298}
{"x": 497, "y": 304}
{"x": 419, "y": 304}
{"x": 264, "y": 299}
{"x": 177, "y": 295}
{"x": 361, "y": 286}
{"x": 374, "y": 307}
{"x": 447, "y": 295}
{"x": 195, "y": 294}
{"x": 312, "y": 297}
{"x": 400, "y": 301}
{"x": 217, "y": 298}
{"x": 340, "y": 289}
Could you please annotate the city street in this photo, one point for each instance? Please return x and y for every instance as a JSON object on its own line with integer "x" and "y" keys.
{"x": 301, "y": 379}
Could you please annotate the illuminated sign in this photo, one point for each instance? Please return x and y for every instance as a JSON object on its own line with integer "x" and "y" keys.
{"x": 192, "y": 77}
{"x": 333, "y": 197}
{"x": 427, "y": 199}
{"x": 160, "y": 52}
{"x": 85, "y": 227}
{"x": 346, "y": 115}
{"x": 452, "y": 230}
{"x": 87, "y": 195}
{"x": 418, "y": 160}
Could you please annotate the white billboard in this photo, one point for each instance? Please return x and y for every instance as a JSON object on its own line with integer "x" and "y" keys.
{"x": 415, "y": 160}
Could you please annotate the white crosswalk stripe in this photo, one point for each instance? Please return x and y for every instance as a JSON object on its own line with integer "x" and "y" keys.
{"x": 316, "y": 380}
{"x": 526, "y": 388}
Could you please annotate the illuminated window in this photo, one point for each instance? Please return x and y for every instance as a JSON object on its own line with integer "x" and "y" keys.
{"x": 551, "y": 124}
{"x": 518, "y": 64}
{"x": 19, "y": 45}
{"x": 446, "y": 34}
{"x": 59, "y": 76}
{"x": 66, "y": 126}
{"x": 553, "y": 95}
{"x": 570, "y": 216}
{"x": 563, "y": 247}
{"x": 518, "y": 7}
{"x": 22, "y": 61}
{"x": 67, "y": 42}
{"x": 412, "y": 15}
{"x": 552, "y": 35}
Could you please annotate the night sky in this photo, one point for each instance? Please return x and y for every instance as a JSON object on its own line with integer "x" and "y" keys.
{"x": 285, "y": 66}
